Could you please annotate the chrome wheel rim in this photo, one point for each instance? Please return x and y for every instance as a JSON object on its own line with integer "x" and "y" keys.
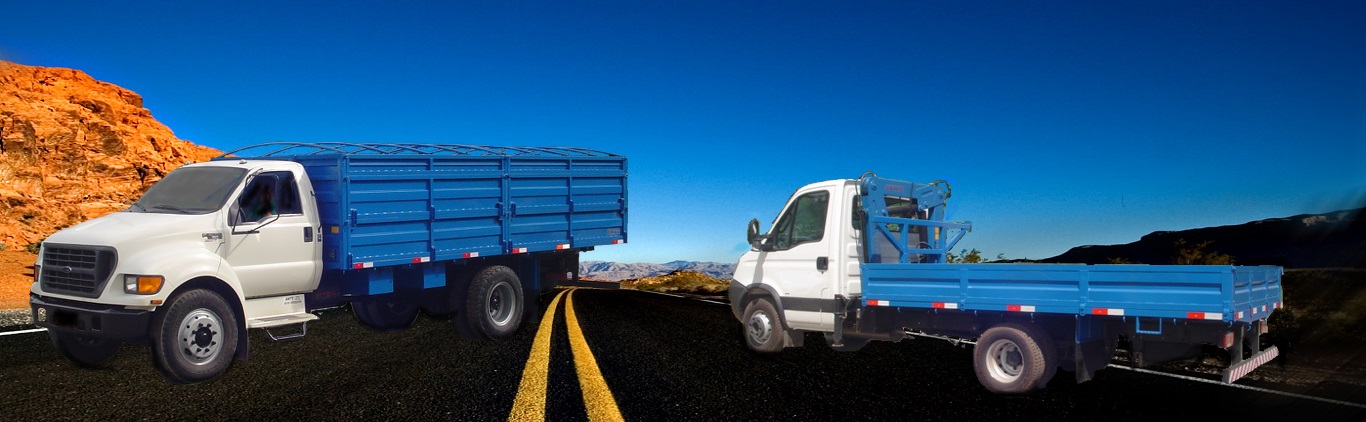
{"x": 760, "y": 327}
{"x": 200, "y": 336}
{"x": 1005, "y": 362}
{"x": 501, "y": 301}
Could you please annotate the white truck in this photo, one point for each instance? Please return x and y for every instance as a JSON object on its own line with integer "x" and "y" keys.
{"x": 864, "y": 259}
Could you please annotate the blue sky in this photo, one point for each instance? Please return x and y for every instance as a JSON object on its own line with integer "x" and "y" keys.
{"x": 1058, "y": 124}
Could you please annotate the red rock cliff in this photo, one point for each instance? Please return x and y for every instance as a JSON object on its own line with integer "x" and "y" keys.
{"x": 74, "y": 148}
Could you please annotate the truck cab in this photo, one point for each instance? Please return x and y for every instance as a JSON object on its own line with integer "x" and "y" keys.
{"x": 809, "y": 262}
{"x": 241, "y": 234}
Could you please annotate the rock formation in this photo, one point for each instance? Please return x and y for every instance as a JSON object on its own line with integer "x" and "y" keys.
{"x": 74, "y": 148}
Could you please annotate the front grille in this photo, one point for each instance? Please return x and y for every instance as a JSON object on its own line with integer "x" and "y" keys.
{"x": 76, "y": 270}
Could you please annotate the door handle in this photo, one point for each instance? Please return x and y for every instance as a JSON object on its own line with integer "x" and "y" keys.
{"x": 822, "y": 263}
{"x": 308, "y": 234}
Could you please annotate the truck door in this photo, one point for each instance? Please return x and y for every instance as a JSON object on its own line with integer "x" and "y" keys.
{"x": 274, "y": 244}
{"x": 800, "y": 257}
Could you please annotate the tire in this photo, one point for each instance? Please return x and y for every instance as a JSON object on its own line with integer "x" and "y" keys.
{"x": 194, "y": 338}
{"x": 1008, "y": 360}
{"x": 495, "y": 304}
{"x": 385, "y": 315}
{"x": 1050, "y": 355}
{"x": 84, "y": 351}
{"x": 851, "y": 344}
{"x": 762, "y": 327}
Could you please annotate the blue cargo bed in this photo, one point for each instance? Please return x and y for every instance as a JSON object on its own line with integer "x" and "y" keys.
{"x": 1207, "y": 292}
{"x": 393, "y": 204}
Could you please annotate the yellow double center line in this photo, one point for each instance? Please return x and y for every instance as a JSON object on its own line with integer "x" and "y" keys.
{"x": 531, "y": 395}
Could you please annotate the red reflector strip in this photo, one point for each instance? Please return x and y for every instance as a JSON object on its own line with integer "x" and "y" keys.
{"x": 518, "y": 250}
{"x": 470, "y": 255}
{"x": 618, "y": 241}
{"x": 944, "y": 305}
{"x": 562, "y": 247}
{"x": 360, "y": 265}
{"x": 1238, "y": 315}
{"x": 1108, "y": 311}
{"x": 1204, "y": 315}
{"x": 422, "y": 259}
{"x": 872, "y": 302}
{"x": 1020, "y": 308}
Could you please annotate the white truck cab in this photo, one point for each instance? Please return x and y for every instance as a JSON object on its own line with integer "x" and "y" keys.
{"x": 211, "y": 241}
{"x": 813, "y": 254}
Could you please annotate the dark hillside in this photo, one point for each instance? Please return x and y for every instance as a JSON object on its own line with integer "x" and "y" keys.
{"x": 1329, "y": 240}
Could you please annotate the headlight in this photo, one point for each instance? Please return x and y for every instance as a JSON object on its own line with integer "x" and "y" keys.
{"x": 142, "y": 284}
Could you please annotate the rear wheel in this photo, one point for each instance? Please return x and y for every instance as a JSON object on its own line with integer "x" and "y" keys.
{"x": 385, "y": 315}
{"x": 763, "y": 329}
{"x": 494, "y": 305}
{"x": 195, "y": 337}
{"x": 1009, "y": 360}
{"x": 84, "y": 351}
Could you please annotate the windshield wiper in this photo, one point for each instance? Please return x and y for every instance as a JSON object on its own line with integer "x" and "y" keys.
{"x": 170, "y": 207}
{"x": 139, "y": 205}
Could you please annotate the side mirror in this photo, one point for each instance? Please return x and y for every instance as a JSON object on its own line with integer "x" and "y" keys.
{"x": 755, "y": 239}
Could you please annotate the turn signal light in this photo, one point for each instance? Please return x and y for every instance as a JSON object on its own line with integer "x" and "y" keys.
{"x": 1227, "y": 342}
{"x": 142, "y": 284}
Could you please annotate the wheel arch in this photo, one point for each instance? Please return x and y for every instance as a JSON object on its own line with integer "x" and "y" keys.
{"x": 761, "y": 291}
{"x": 230, "y": 295}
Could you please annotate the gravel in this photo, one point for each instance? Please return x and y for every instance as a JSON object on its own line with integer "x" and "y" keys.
{"x": 15, "y": 317}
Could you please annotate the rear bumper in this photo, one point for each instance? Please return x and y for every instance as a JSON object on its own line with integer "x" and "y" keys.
{"x": 89, "y": 319}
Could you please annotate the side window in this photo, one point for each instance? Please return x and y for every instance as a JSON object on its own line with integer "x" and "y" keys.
{"x": 803, "y": 222}
{"x": 288, "y": 197}
{"x": 258, "y": 199}
{"x": 270, "y": 193}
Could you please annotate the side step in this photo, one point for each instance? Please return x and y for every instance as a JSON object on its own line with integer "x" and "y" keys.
{"x": 266, "y": 323}
{"x": 276, "y": 311}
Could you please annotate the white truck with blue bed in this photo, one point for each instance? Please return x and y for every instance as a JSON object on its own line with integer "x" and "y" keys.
{"x": 865, "y": 259}
{"x": 264, "y": 235}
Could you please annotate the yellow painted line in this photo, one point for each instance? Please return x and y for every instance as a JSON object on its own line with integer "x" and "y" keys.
{"x": 597, "y": 398}
{"x": 530, "y": 402}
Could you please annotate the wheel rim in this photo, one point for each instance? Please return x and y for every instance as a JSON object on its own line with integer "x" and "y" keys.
{"x": 501, "y": 301}
{"x": 200, "y": 336}
{"x": 760, "y": 327}
{"x": 1004, "y": 361}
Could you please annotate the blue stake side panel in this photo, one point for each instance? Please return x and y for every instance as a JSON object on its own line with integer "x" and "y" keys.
{"x": 382, "y": 210}
{"x": 1212, "y": 292}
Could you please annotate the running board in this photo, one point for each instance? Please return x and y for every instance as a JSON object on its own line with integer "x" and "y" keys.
{"x": 266, "y": 323}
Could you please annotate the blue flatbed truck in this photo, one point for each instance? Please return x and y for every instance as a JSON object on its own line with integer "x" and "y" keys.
{"x": 866, "y": 259}
{"x": 263, "y": 235}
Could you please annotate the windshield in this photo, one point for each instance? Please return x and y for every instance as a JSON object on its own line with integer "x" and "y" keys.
{"x": 190, "y": 190}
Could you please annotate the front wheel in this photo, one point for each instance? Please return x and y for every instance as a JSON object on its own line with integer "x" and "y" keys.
{"x": 494, "y": 305}
{"x": 763, "y": 331}
{"x": 1009, "y": 360}
{"x": 84, "y": 351}
{"x": 195, "y": 337}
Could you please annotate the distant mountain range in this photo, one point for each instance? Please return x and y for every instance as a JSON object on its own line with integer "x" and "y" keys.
{"x": 1329, "y": 240}
{"x": 615, "y": 271}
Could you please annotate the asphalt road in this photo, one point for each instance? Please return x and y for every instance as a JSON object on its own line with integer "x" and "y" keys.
{"x": 662, "y": 358}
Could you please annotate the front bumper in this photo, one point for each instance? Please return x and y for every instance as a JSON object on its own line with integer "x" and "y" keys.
{"x": 89, "y": 319}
